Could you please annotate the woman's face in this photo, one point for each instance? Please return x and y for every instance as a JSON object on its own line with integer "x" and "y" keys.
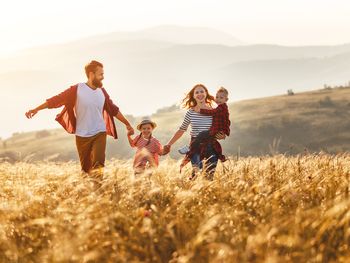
{"x": 199, "y": 94}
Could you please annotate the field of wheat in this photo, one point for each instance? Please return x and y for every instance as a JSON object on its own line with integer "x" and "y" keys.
{"x": 267, "y": 209}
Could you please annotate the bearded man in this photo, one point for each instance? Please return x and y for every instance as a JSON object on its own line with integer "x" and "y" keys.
{"x": 89, "y": 114}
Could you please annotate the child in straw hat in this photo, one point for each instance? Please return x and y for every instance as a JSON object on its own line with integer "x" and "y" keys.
{"x": 147, "y": 147}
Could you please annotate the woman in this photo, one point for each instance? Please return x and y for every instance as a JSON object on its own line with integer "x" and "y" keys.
{"x": 198, "y": 98}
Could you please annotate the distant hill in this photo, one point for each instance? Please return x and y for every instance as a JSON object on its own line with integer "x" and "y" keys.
{"x": 164, "y": 62}
{"x": 174, "y": 34}
{"x": 314, "y": 121}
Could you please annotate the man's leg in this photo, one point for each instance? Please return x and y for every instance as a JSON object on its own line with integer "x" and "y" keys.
{"x": 84, "y": 146}
{"x": 98, "y": 155}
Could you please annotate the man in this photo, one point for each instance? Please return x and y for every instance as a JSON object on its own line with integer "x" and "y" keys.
{"x": 88, "y": 113}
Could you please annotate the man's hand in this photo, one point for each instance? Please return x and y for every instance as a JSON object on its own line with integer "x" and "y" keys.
{"x": 30, "y": 114}
{"x": 220, "y": 136}
{"x": 130, "y": 130}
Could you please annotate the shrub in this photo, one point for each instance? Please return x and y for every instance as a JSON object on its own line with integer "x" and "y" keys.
{"x": 326, "y": 102}
{"x": 42, "y": 134}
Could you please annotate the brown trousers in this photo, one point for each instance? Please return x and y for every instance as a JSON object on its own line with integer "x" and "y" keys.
{"x": 92, "y": 153}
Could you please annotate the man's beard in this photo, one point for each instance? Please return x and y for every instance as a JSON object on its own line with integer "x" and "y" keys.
{"x": 97, "y": 83}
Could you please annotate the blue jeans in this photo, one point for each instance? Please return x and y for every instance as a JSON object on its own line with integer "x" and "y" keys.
{"x": 211, "y": 162}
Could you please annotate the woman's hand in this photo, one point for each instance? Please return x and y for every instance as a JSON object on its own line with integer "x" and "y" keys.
{"x": 166, "y": 149}
{"x": 220, "y": 136}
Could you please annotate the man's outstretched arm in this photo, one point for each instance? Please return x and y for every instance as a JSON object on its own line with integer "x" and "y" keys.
{"x": 30, "y": 114}
{"x": 53, "y": 102}
{"x": 122, "y": 119}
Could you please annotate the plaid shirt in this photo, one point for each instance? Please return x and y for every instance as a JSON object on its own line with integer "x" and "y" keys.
{"x": 67, "y": 116}
{"x": 221, "y": 120}
{"x": 203, "y": 151}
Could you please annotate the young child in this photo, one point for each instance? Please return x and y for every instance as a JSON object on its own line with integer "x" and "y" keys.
{"x": 147, "y": 147}
{"x": 221, "y": 123}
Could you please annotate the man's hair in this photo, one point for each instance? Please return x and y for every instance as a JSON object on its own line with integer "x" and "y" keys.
{"x": 223, "y": 90}
{"x": 92, "y": 67}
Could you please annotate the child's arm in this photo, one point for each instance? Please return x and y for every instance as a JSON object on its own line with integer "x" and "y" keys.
{"x": 131, "y": 140}
{"x": 211, "y": 112}
{"x": 160, "y": 149}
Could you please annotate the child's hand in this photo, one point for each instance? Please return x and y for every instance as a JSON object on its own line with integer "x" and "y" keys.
{"x": 130, "y": 130}
{"x": 220, "y": 136}
{"x": 166, "y": 149}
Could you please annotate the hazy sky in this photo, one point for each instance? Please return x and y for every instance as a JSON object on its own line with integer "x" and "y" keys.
{"x": 287, "y": 22}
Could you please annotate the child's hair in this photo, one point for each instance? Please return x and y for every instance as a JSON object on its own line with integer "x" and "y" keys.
{"x": 149, "y": 139}
{"x": 223, "y": 90}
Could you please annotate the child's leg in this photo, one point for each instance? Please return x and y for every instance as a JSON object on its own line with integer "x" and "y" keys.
{"x": 196, "y": 165}
{"x": 211, "y": 163}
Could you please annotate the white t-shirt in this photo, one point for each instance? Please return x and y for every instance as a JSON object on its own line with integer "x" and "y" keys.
{"x": 89, "y": 111}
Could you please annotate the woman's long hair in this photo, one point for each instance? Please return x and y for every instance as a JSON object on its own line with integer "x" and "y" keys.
{"x": 189, "y": 101}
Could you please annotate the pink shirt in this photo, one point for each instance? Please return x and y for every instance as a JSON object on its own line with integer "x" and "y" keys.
{"x": 146, "y": 153}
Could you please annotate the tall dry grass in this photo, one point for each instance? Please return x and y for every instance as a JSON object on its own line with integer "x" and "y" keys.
{"x": 268, "y": 209}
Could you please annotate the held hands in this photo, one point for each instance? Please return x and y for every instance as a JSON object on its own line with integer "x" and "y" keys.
{"x": 30, "y": 114}
{"x": 130, "y": 130}
{"x": 166, "y": 149}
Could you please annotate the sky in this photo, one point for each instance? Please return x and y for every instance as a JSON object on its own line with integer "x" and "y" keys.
{"x": 286, "y": 22}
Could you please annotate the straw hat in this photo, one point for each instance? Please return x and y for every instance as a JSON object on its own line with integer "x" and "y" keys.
{"x": 146, "y": 121}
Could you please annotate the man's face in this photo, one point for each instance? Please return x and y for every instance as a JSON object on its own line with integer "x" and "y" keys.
{"x": 98, "y": 77}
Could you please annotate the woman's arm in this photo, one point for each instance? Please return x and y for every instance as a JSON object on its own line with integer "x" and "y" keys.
{"x": 131, "y": 140}
{"x": 176, "y": 136}
{"x": 186, "y": 122}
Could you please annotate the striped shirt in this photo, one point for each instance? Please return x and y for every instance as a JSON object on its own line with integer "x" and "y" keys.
{"x": 199, "y": 122}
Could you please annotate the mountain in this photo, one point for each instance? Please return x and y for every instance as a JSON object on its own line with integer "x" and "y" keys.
{"x": 314, "y": 121}
{"x": 150, "y": 69}
{"x": 165, "y": 33}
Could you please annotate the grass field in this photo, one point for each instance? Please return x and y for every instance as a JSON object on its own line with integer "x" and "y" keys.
{"x": 267, "y": 209}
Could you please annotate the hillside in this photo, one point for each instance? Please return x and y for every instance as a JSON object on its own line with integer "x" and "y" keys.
{"x": 164, "y": 59}
{"x": 317, "y": 121}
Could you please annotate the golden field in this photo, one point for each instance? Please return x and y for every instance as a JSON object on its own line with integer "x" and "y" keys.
{"x": 261, "y": 209}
